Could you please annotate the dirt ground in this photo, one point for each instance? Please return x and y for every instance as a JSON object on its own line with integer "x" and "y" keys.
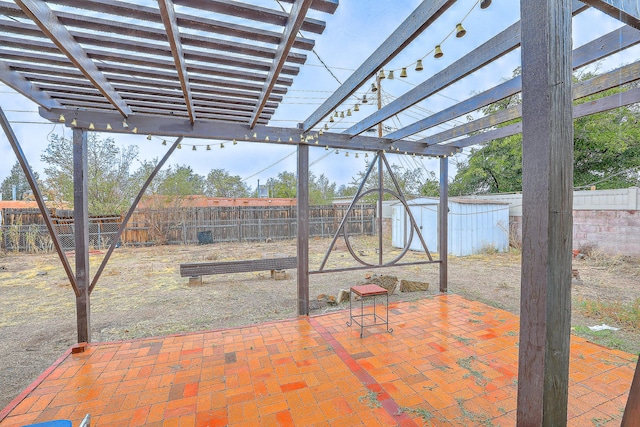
{"x": 141, "y": 294}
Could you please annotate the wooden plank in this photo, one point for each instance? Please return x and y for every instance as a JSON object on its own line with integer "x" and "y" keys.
{"x": 105, "y": 39}
{"x": 253, "y": 12}
{"x": 610, "y": 102}
{"x": 294, "y": 23}
{"x": 302, "y": 228}
{"x": 501, "y": 91}
{"x": 500, "y": 45}
{"x": 193, "y": 22}
{"x": 154, "y": 68}
{"x": 328, "y": 6}
{"x": 443, "y": 225}
{"x": 423, "y": 16}
{"x": 81, "y": 233}
{"x": 547, "y": 199}
{"x": 23, "y": 86}
{"x": 230, "y": 267}
{"x": 627, "y": 11}
{"x": 632, "y": 408}
{"x": 623, "y": 75}
{"x": 168, "y": 15}
{"x": 40, "y": 13}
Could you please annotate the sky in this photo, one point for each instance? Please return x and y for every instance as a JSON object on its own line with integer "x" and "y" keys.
{"x": 356, "y": 29}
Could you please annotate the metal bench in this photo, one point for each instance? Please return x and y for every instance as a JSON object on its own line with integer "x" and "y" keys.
{"x": 198, "y": 269}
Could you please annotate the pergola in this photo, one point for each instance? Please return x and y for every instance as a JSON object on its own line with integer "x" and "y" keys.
{"x": 173, "y": 69}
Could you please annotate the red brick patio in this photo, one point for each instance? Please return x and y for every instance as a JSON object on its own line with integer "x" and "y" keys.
{"x": 449, "y": 361}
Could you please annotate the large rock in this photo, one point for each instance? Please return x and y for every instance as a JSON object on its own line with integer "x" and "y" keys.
{"x": 388, "y": 282}
{"x": 413, "y": 286}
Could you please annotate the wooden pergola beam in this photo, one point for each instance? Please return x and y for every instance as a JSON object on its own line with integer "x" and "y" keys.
{"x": 597, "y": 49}
{"x": 294, "y": 23}
{"x": 547, "y": 209}
{"x": 253, "y": 12}
{"x": 423, "y": 16}
{"x": 607, "y": 103}
{"x": 168, "y": 15}
{"x": 44, "y": 17}
{"x": 620, "y": 76}
{"x": 23, "y": 86}
{"x": 141, "y": 46}
{"x": 627, "y": 11}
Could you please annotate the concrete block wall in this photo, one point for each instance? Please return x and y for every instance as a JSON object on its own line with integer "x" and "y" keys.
{"x": 606, "y": 220}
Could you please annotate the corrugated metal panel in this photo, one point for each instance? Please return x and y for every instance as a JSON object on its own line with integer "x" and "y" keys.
{"x": 473, "y": 228}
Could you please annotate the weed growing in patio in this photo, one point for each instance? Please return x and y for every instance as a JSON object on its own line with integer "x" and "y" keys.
{"x": 464, "y": 340}
{"x": 370, "y": 399}
{"x": 599, "y": 422}
{"x": 479, "y": 419}
{"x": 481, "y": 380}
{"x": 420, "y": 412}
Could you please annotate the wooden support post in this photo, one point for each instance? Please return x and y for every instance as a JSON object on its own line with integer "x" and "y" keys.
{"x": 631, "y": 417}
{"x": 443, "y": 223}
{"x": 302, "y": 213}
{"x": 380, "y": 198}
{"x": 81, "y": 232}
{"x": 547, "y": 187}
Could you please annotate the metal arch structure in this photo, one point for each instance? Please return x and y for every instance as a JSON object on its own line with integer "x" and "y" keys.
{"x": 379, "y": 160}
{"x": 192, "y": 72}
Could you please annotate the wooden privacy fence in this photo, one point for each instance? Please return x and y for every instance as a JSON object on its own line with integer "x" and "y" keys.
{"x": 24, "y": 230}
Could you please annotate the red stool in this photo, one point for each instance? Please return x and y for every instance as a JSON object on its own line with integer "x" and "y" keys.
{"x": 368, "y": 291}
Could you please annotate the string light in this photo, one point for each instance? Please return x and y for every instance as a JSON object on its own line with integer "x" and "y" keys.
{"x": 109, "y": 126}
{"x": 164, "y": 142}
{"x": 193, "y": 148}
{"x": 61, "y": 119}
{"x": 221, "y": 145}
{"x": 337, "y": 152}
{"x": 438, "y": 52}
{"x": 179, "y": 147}
{"x": 390, "y": 75}
{"x": 125, "y": 124}
{"x": 208, "y": 148}
{"x": 235, "y": 142}
{"x": 419, "y": 66}
{"x": 357, "y": 155}
{"x": 326, "y": 148}
{"x": 135, "y": 130}
{"x": 149, "y": 137}
{"x": 346, "y": 154}
{"x": 485, "y": 4}
{"x": 460, "y": 31}
{"x": 91, "y": 126}
{"x": 403, "y": 73}
{"x": 74, "y": 122}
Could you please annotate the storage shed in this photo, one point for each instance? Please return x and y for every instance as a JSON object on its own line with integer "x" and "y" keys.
{"x": 474, "y": 225}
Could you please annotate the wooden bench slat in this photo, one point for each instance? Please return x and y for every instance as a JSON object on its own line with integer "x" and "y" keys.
{"x": 245, "y": 266}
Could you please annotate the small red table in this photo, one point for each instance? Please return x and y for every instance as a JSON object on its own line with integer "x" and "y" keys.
{"x": 368, "y": 291}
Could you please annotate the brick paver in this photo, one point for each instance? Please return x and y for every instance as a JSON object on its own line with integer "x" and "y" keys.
{"x": 449, "y": 361}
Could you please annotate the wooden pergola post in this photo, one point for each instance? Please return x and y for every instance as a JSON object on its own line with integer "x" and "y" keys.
{"x": 81, "y": 232}
{"x": 547, "y": 189}
{"x": 302, "y": 214}
{"x": 443, "y": 223}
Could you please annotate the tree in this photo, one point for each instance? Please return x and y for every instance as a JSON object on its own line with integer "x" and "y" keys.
{"x": 606, "y": 152}
{"x": 412, "y": 182}
{"x": 220, "y": 184}
{"x": 110, "y": 187}
{"x": 18, "y": 179}
{"x": 321, "y": 190}
{"x": 285, "y": 185}
{"x": 181, "y": 181}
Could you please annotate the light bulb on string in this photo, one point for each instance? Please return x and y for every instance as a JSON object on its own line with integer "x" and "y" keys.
{"x": 193, "y": 148}
{"x": 337, "y": 152}
{"x": 374, "y": 88}
{"x": 357, "y": 155}
{"x": 135, "y": 130}
{"x": 331, "y": 119}
{"x": 348, "y": 112}
{"x": 91, "y": 126}
{"x": 179, "y": 147}
{"x": 390, "y": 75}
{"x": 460, "y": 31}
{"x": 419, "y": 66}
{"x": 109, "y": 126}
{"x": 485, "y": 4}
{"x": 381, "y": 75}
{"x": 346, "y": 154}
{"x": 356, "y": 107}
{"x": 61, "y": 119}
{"x": 342, "y": 114}
{"x": 125, "y": 124}
{"x": 403, "y": 72}
{"x": 235, "y": 142}
{"x": 222, "y": 145}
{"x": 326, "y": 148}
{"x": 74, "y": 122}
{"x": 326, "y": 126}
{"x": 364, "y": 99}
{"x": 208, "y": 148}
{"x": 164, "y": 142}
{"x": 149, "y": 137}
{"x": 438, "y": 52}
